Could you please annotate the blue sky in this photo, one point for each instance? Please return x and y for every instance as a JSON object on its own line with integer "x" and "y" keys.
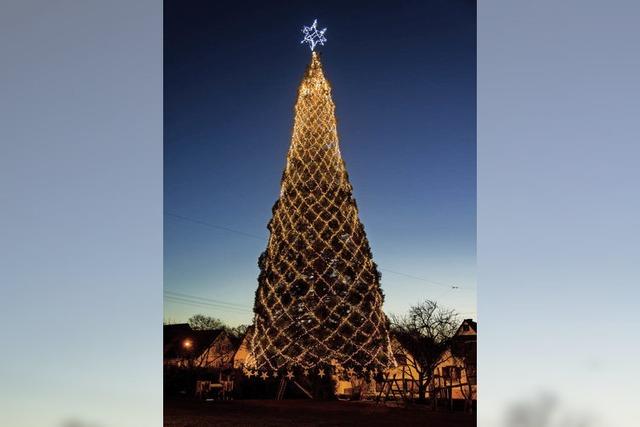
{"x": 404, "y": 83}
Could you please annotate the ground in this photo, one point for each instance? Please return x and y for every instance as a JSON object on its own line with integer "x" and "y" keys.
{"x": 268, "y": 413}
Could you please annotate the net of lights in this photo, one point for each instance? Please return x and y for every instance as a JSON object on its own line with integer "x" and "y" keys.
{"x": 318, "y": 306}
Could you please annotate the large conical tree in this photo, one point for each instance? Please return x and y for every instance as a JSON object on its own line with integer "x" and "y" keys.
{"x": 319, "y": 302}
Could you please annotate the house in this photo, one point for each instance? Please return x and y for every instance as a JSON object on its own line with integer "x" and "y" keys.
{"x": 455, "y": 374}
{"x": 242, "y": 352}
{"x": 185, "y": 347}
{"x": 178, "y": 342}
{"x": 208, "y": 354}
{"x": 454, "y": 377}
{"x": 402, "y": 378}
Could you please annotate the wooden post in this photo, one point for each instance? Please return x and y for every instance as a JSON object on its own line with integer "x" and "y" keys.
{"x": 281, "y": 388}
{"x": 303, "y": 389}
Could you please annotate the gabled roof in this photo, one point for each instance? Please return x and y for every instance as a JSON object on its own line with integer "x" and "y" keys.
{"x": 175, "y": 337}
{"x": 469, "y": 322}
{"x": 247, "y": 334}
{"x": 171, "y": 331}
{"x": 243, "y": 340}
{"x": 235, "y": 340}
{"x": 464, "y": 343}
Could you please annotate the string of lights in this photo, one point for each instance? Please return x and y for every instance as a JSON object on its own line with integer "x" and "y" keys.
{"x": 318, "y": 304}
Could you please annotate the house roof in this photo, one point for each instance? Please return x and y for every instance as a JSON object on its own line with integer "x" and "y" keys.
{"x": 177, "y": 336}
{"x": 464, "y": 343}
{"x": 471, "y": 323}
{"x": 244, "y": 339}
{"x": 171, "y": 331}
{"x": 235, "y": 341}
{"x": 247, "y": 334}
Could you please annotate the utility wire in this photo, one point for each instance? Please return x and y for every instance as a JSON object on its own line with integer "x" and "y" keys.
{"x": 197, "y": 301}
{"x": 200, "y": 300}
{"x": 207, "y": 224}
{"x": 416, "y": 278}
{"x": 199, "y": 305}
{"x": 231, "y": 230}
{"x": 210, "y": 300}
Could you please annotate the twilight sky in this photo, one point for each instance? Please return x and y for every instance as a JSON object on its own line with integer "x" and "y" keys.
{"x": 404, "y": 83}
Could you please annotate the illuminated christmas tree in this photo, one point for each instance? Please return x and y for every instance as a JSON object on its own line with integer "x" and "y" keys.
{"x": 319, "y": 304}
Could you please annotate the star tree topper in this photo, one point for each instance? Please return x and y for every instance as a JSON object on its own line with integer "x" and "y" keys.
{"x": 313, "y": 36}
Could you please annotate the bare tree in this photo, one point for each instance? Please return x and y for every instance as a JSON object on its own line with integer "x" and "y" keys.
{"x": 204, "y": 323}
{"x": 425, "y": 333}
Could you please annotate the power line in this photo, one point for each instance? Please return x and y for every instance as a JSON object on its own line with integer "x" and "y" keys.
{"x": 416, "y": 278}
{"x": 207, "y": 224}
{"x": 207, "y": 306}
{"x": 199, "y": 305}
{"x": 194, "y": 301}
{"x": 210, "y": 300}
{"x": 231, "y": 230}
{"x": 202, "y": 300}
{"x": 199, "y": 302}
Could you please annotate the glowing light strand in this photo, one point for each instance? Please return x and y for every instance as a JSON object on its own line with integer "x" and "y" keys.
{"x": 313, "y": 36}
{"x": 318, "y": 304}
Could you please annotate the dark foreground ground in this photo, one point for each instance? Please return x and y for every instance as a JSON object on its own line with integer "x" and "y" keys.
{"x": 306, "y": 413}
